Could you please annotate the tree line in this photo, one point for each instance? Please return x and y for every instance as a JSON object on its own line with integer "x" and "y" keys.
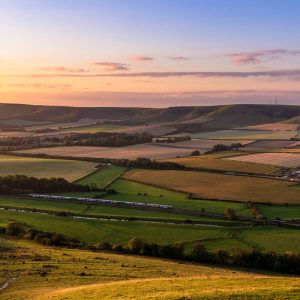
{"x": 108, "y": 139}
{"x": 287, "y": 262}
{"x": 22, "y": 184}
{"x": 101, "y": 139}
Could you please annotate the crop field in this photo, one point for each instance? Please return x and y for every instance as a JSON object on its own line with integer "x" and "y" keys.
{"x": 286, "y": 160}
{"x": 216, "y": 162}
{"x": 274, "y": 127}
{"x": 240, "y": 134}
{"x": 78, "y": 123}
{"x": 269, "y": 144}
{"x": 291, "y": 212}
{"x": 93, "y": 128}
{"x": 156, "y": 129}
{"x": 130, "y": 152}
{"x": 47, "y": 168}
{"x": 6, "y": 134}
{"x": 103, "y": 177}
{"x": 108, "y": 277}
{"x": 133, "y": 191}
{"x": 21, "y": 123}
{"x": 200, "y": 143}
{"x": 219, "y": 186}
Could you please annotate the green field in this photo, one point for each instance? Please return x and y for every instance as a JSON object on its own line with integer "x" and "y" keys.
{"x": 98, "y": 210}
{"x": 46, "y": 168}
{"x": 116, "y": 232}
{"x": 93, "y": 128}
{"x": 103, "y": 177}
{"x": 119, "y": 232}
{"x": 116, "y": 276}
{"x": 282, "y": 212}
{"x": 129, "y": 190}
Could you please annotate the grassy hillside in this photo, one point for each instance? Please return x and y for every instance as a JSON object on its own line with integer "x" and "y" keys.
{"x": 210, "y": 117}
{"x": 204, "y": 288}
{"x": 57, "y": 273}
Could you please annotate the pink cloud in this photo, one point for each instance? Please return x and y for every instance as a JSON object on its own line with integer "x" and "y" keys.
{"x": 141, "y": 58}
{"x": 112, "y": 66}
{"x": 178, "y": 58}
{"x": 258, "y": 57}
{"x": 63, "y": 69}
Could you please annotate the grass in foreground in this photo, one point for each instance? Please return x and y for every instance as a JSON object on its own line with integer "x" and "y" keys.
{"x": 220, "y": 186}
{"x": 57, "y": 273}
{"x": 187, "y": 288}
{"x": 46, "y": 168}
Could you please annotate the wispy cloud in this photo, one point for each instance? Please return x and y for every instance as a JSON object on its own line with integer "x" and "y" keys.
{"x": 141, "y": 58}
{"x": 38, "y": 86}
{"x": 112, "y": 66}
{"x": 290, "y": 74}
{"x": 258, "y": 57}
{"x": 178, "y": 58}
{"x": 63, "y": 69}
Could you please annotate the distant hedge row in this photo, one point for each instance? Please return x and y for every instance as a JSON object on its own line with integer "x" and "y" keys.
{"x": 21, "y": 184}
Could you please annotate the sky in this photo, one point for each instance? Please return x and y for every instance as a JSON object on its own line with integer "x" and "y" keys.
{"x": 150, "y": 53}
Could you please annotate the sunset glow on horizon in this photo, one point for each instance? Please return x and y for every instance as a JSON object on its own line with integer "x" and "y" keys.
{"x": 149, "y": 53}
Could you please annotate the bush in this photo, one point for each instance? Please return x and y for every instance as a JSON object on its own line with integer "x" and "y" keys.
{"x": 230, "y": 214}
{"x": 135, "y": 245}
{"x": 15, "y": 229}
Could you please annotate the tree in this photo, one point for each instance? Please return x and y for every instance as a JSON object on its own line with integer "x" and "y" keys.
{"x": 230, "y": 214}
{"x": 195, "y": 153}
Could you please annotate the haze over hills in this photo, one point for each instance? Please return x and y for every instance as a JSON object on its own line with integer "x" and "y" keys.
{"x": 206, "y": 117}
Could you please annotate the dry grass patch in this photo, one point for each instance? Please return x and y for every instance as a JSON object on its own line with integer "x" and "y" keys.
{"x": 286, "y": 160}
{"x": 215, "y": 162}
{"x": 219, "y": 186}
{"x": 129, "y": 152}
{"x": 46, "y": 168}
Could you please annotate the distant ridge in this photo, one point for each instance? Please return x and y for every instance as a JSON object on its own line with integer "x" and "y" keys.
{"x": 222, "y": 116}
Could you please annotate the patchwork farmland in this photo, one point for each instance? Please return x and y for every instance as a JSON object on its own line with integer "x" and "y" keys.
{"x": 153, "y": 150}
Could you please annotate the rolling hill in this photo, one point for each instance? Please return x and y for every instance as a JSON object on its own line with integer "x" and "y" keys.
{"x": 188, "y": 118}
